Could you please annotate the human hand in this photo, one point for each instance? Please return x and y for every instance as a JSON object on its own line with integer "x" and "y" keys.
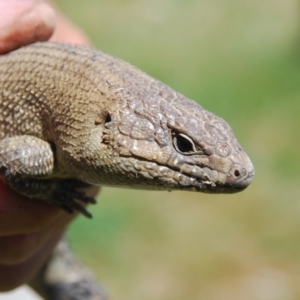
{"x": 30, "y": 229}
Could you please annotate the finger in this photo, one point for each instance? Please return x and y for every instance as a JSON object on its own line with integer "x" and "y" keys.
{"x": 28, "y": 215}
{"x": 68, "y": 32}
{"x": 24, "y": 22}
{"x": 21, "y": 215}
{"x": 17, "y": 249}
{"x": 11, "y": 276}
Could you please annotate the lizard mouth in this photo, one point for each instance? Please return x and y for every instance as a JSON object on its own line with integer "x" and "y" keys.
{"x": 206, "y": 186}
{"x": 150, "y": 175}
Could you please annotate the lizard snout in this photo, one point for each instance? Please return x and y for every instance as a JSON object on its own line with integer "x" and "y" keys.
{"x": 240, "y": 176}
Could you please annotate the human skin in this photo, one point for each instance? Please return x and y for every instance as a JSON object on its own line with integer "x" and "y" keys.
{"x": 30, "y": 229}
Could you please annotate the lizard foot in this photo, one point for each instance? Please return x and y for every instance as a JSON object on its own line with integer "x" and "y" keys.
{"x": 66, "y": 195}
{"x": 61, "y": 193}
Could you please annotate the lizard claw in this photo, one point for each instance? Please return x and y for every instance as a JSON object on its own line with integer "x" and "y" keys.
{"x": 76, "y": 206}
{"x": 66, "y": 196}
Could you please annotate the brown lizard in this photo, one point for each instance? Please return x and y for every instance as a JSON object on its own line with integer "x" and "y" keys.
{"x": 71, "y": 116}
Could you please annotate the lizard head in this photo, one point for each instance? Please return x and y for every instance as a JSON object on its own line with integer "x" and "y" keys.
{"x": 151, "y": 137}
{"x": 162, "y": 140}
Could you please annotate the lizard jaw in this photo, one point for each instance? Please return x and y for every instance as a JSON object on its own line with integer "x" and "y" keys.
{"x": 150, "y": 175}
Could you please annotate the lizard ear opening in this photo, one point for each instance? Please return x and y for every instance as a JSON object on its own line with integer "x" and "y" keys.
{"x": 103, "y": 119}
{"x": 107, "y": 118}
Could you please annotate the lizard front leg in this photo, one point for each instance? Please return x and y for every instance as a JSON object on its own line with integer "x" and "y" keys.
{"x": 27, "y": 166}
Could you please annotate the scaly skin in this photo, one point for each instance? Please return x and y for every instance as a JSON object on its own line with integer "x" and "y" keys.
{"x": 71, "y": 116}
{"x": 105, "y": 122}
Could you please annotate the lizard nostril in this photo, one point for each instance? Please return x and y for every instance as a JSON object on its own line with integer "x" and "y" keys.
{"x": 237, "y": 173}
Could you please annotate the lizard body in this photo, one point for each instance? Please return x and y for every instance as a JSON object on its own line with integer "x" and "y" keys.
{"x": 71, "y": 116}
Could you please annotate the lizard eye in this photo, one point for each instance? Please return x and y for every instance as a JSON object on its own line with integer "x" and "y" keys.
{"x": 183, "y": 144}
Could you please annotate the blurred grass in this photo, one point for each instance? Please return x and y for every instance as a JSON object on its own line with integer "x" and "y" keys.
{"x": 240, "y": 60}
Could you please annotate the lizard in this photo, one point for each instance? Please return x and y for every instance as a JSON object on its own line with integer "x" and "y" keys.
{"x": 71, "y": 116}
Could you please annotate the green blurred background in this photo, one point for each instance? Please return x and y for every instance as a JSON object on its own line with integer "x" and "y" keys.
{"x": 241, "y": 60}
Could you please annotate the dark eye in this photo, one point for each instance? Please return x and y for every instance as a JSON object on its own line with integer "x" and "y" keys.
{"x": 183, "y": 144}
